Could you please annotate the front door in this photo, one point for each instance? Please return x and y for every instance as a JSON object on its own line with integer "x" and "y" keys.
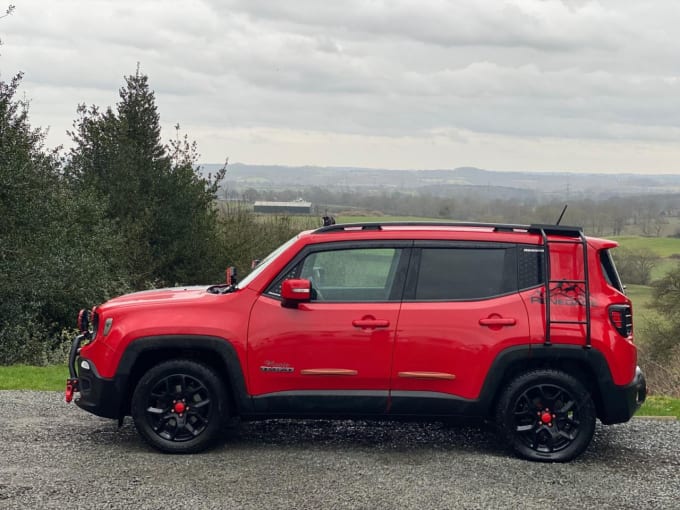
{"x": 332, "y": 354}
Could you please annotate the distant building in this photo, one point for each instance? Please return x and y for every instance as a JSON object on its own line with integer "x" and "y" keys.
{"x": 297, "y": 207}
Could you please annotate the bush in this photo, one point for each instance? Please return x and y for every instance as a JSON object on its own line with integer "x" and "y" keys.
{"x": 248, "y": 236}
{"x": 635, "y": 265}
{"x": 57, "y": 252}
{"x": 660, "y": 350}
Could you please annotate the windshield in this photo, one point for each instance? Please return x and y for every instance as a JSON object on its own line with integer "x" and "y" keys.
{"x": 265, "y": 262}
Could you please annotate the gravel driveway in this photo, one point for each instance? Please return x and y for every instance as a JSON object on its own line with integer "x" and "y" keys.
{"x": 58, "y": 456}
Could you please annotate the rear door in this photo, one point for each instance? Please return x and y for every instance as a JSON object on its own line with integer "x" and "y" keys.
{"x": 461, "y": 308}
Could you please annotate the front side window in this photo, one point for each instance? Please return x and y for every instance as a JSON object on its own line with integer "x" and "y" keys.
{"x": 361, "y": 274}
{"x": 460, "y": 273}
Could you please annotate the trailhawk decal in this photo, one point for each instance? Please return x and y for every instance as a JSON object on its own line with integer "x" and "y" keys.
{"x": 563, "y": 295}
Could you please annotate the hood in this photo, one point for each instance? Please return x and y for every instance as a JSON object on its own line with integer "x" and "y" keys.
{"x": 158, "y": 296}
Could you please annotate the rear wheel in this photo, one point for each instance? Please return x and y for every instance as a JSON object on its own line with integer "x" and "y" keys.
{"x": 546, "y": 415}
{"x": 179, "y": 406}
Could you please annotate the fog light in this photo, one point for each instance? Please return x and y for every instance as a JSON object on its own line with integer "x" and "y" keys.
{"x": 84, "y": 365}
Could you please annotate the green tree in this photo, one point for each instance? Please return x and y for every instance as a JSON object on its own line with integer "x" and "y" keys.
{"x": 154, "y": 192}
{"x": 660, "y": 353}
{"x": 635, "y": 266}
{"x": 57, "y": 253}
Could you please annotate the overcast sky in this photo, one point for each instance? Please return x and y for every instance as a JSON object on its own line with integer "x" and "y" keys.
{"x": 548, "y": 85}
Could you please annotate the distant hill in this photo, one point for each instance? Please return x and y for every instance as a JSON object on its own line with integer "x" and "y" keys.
{"x": 443, "y": 182}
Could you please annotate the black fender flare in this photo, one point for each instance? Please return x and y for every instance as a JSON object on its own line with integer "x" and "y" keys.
{"x": 220, "y": 350}
{"x": 518, "y": 358}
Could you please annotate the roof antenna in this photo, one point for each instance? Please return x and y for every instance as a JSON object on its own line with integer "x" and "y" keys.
{"x": 563, "y": 211}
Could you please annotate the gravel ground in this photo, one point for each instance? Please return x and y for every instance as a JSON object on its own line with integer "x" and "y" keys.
{"x": 58, "y": 456}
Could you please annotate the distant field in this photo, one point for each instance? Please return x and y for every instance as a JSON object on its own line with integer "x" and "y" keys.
{"x": 377, "y": 219}
{"x": 640, "y": 295}
{"x": 663, "y": 267}
{"x": 662, "y": 246}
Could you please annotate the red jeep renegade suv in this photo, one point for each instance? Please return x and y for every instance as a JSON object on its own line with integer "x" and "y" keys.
{"x": 527, "y": 325}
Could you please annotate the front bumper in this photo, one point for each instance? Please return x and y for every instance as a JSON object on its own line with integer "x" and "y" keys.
{"x": 619, "y": 403}
{"x": 91, "y": 392}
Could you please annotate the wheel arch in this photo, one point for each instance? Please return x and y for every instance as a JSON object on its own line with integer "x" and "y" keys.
{"x": 587, "y": 365}
{"x": 215, "y": 352}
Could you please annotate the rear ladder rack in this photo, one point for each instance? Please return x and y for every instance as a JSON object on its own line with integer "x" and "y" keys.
{"x": 577, "y": 238}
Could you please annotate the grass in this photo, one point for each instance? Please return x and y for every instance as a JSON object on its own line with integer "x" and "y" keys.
{"x": 660, "y": 406}
{"x": 53, "y": 378}
{"x": 662, "y": 246}
{"x": 24, "y": 377}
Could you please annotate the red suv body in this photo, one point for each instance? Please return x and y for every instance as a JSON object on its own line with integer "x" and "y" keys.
{"x": 525, "y": 325}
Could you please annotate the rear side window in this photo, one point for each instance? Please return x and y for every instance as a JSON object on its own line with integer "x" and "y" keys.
{"x": 461, "y": 273}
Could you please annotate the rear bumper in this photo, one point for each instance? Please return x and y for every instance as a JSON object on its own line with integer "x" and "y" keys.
{"x": 619, "y": 403}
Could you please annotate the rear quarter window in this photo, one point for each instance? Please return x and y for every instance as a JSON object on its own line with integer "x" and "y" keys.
{"x": 530, "y": 266}
{"x": 609, "y": 270}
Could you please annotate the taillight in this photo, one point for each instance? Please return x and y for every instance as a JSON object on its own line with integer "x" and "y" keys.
{"x": 621, "y": 317}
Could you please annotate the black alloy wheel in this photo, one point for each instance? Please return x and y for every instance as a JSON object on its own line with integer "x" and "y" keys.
{"x": 179, "y": 406}
{"x": 546, "y": 415}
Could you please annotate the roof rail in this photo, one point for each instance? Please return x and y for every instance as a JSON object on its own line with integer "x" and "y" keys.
{"x": 562, "y": 230}
{"x": 499, "y": 227}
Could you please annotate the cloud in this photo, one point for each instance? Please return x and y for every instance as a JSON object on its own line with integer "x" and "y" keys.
{"x": 570, "y": 71}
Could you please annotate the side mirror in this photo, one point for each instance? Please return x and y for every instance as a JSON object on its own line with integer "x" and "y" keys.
{"x": 230, "y": 274}
{"x": 295, "y": 291}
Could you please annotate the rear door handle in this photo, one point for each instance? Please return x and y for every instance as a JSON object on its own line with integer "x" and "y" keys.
{"x": 498, "y": 321}
{"x": 370, "y": 323}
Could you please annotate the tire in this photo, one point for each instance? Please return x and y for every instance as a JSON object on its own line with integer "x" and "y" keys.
{"x": 546, "y": 415}
{"x": 180, "y": 406}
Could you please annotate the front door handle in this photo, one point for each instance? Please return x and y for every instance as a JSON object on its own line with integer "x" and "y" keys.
{"x": 370, "y": 323}
{"x": 498, "y": 321}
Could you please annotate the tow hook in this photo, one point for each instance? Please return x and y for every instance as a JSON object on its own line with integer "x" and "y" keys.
{"x": 71, "y": 388}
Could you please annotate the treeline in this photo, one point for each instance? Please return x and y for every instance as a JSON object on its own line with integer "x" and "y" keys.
{"x": 120, "y": 211}
{"x": 645, "y": 214}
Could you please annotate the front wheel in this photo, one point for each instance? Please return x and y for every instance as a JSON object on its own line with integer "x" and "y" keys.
{"x": 546, "y": 415}
{"x": 179, "y": 406}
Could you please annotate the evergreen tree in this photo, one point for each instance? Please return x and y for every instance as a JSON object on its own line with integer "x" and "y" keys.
{"x": 57, "y": 253}
{"x": 159, "y": 200}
